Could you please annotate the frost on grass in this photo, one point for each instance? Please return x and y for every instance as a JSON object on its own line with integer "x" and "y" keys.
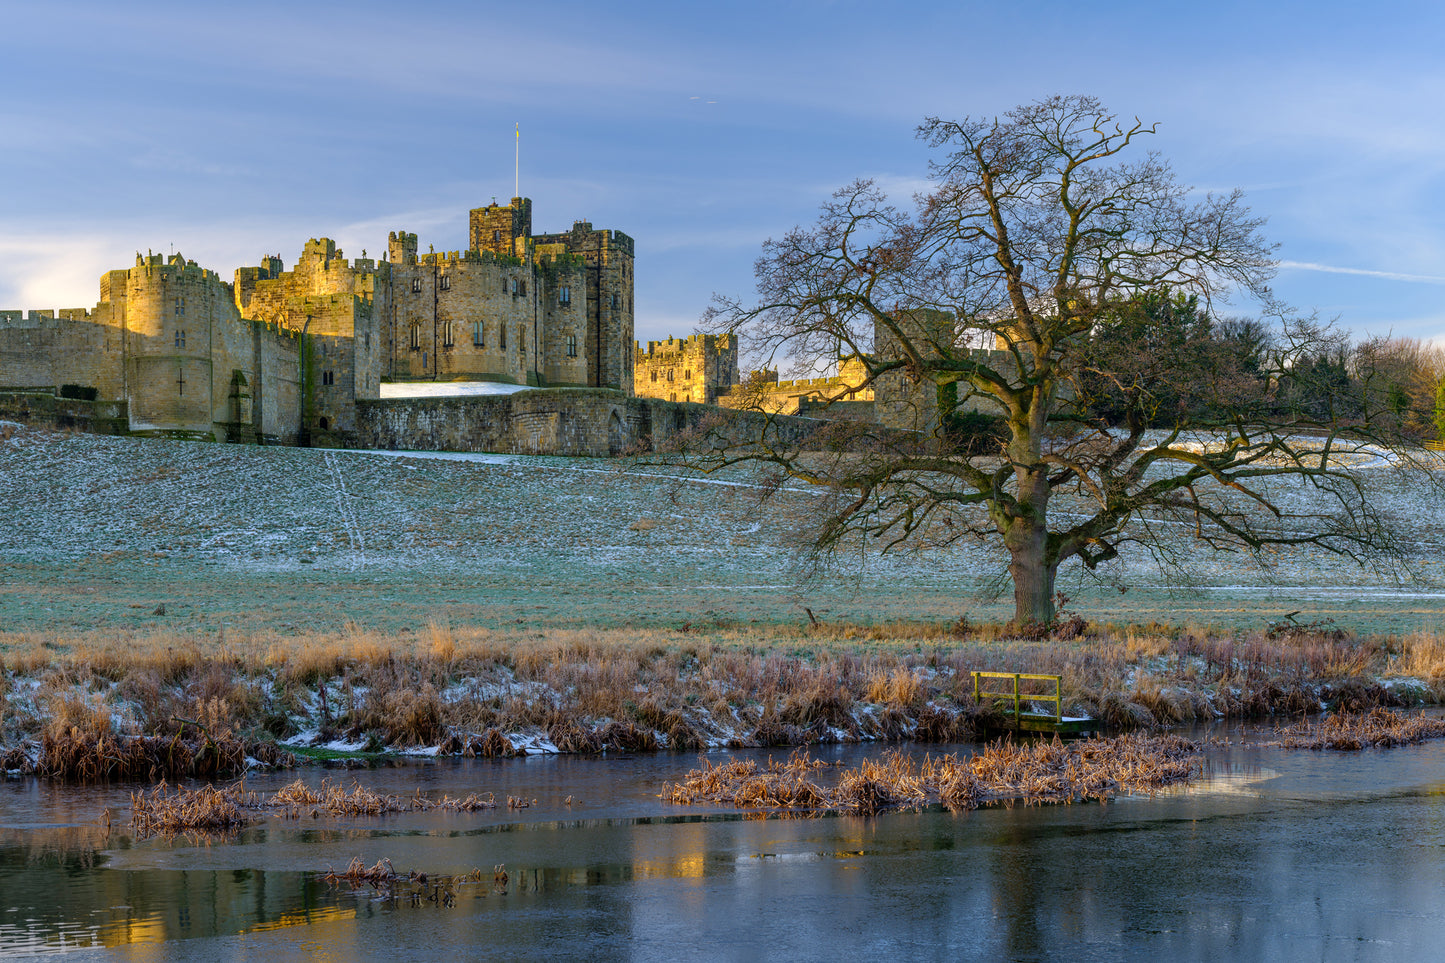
{"x": 102, "y": 530}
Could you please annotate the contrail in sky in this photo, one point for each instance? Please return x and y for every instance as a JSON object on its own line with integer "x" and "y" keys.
{"x": 1389, "y": 275}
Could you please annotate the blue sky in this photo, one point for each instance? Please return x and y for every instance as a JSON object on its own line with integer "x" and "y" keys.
{"x": 232, "y": 131}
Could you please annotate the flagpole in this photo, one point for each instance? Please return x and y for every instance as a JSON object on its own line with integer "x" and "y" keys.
{"x": 517, "y": 184}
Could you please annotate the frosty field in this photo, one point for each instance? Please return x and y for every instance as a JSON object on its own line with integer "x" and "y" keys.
{"x": 99, "y": 533}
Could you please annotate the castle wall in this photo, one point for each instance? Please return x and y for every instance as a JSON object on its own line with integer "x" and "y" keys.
{"x": 48, "y": 411}
{"x": 902, "y": 401}
{"x": 43, "y": 349}
{"x": 575, "y": 422}
{"x": 699, "y": 368}
{"x": 277, "y": 384}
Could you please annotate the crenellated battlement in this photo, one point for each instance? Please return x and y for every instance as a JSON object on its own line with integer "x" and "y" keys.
{"x": 39, "y": 316}
{"x": 172, "y": 267}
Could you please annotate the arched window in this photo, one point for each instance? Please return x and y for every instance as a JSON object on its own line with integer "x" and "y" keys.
{"x": 415, "y": 336}
{"x": 479, "y": 334}
{"x": 447, "y": 335}
{"x": 571, "y": 345}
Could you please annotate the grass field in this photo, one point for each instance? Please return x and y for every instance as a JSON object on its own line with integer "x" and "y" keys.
{"x": 99, "y": 533}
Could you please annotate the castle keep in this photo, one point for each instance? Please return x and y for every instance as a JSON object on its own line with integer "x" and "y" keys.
{"x": 286, "y": 355}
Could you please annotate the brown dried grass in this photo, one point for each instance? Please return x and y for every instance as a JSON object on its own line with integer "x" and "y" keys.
{"x": 166, "y": 811}
{"x": 768, "y": 685}
{"x": 1376, "y": 729}
{"x": 1036, "y": 773}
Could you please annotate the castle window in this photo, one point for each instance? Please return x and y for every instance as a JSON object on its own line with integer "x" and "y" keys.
{"x": 522, "y": 339}
{"x": 180, "y": 307}
{"x": 564, "y": 295}
{"x": 328, "y": 377}
{"x": 571, "y": 345}
{"x": 180, "y": 339}
{"x": 479, "y": 334}
{"x": 447, "y": 335}
{"x": 446, "y": 283}
{"x": 669, "y": 374}
{"x": 416, "y": 285}
{"x": 423, "y": 361}
{"x": 415, "y": 336}
{"x": 516, "y": 286}
{"x": 654, "y": 376}
{"x": 524, "y": 288}
{"x": 504, "y": 285}
{"x": 496, "y": 237}
{"x": 502, "y": 332}
{"x": 687, "y": 375}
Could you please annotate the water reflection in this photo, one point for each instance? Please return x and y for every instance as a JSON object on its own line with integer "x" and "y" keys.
{"x": 1276, "y": 855}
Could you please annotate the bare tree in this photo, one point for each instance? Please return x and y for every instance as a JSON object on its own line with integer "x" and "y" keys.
{"x": 1035, "y": 240}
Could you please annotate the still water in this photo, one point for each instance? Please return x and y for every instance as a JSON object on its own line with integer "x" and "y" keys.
{"x": 1274, "y": 855}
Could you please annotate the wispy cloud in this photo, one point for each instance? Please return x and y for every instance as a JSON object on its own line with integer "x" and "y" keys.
{"x": 1387, "y": 275}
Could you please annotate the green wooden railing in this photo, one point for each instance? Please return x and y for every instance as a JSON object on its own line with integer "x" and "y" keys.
{"x": 1018, "y": 696}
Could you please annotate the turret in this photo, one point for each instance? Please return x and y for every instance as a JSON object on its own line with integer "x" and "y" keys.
{"x": 401, "y": 247}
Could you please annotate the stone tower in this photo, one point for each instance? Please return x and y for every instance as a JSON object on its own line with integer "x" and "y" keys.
{"x": 903, "y": 400}
{"x": 501, "y": 230}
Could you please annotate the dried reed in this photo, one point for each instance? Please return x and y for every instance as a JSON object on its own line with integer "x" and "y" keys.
{"x": 222, "y": 809}
{"x": 1376, "y": 729}
{"x": 1036, "y": 773}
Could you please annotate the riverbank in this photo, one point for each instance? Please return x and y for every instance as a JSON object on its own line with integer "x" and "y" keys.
{"x": 480, "y": 692}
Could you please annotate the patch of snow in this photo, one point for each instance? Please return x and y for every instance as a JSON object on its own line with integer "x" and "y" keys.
{"x": 480, "y": 457}
{"x": 449, "y": 389}
{"x": 343, "y": 745}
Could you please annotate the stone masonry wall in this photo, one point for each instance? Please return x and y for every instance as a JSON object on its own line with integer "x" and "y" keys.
{"x": 48, "y": 411}
{"x": 46, "y": 349}
{"x": 578, "y": 422}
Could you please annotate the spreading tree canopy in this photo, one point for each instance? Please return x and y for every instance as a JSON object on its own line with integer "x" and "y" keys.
{"x": 1058, "y": 285}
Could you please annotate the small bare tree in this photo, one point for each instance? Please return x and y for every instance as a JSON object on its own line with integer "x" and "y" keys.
{"x": 1035, "y": 241}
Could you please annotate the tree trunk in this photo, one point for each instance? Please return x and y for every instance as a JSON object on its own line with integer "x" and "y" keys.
{"x": 1032, "y": 572}
{"x": 1027, "y": 539}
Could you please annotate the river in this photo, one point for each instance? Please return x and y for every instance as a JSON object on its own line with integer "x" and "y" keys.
{"x": 1273, "y": 855}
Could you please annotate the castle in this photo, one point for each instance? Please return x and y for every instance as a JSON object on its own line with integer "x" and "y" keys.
{"x": 286, "y": 356}
{"x": 301, "y": 356}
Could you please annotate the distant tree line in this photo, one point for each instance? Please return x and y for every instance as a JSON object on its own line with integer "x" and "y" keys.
{"x": 1161, "y": 360}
